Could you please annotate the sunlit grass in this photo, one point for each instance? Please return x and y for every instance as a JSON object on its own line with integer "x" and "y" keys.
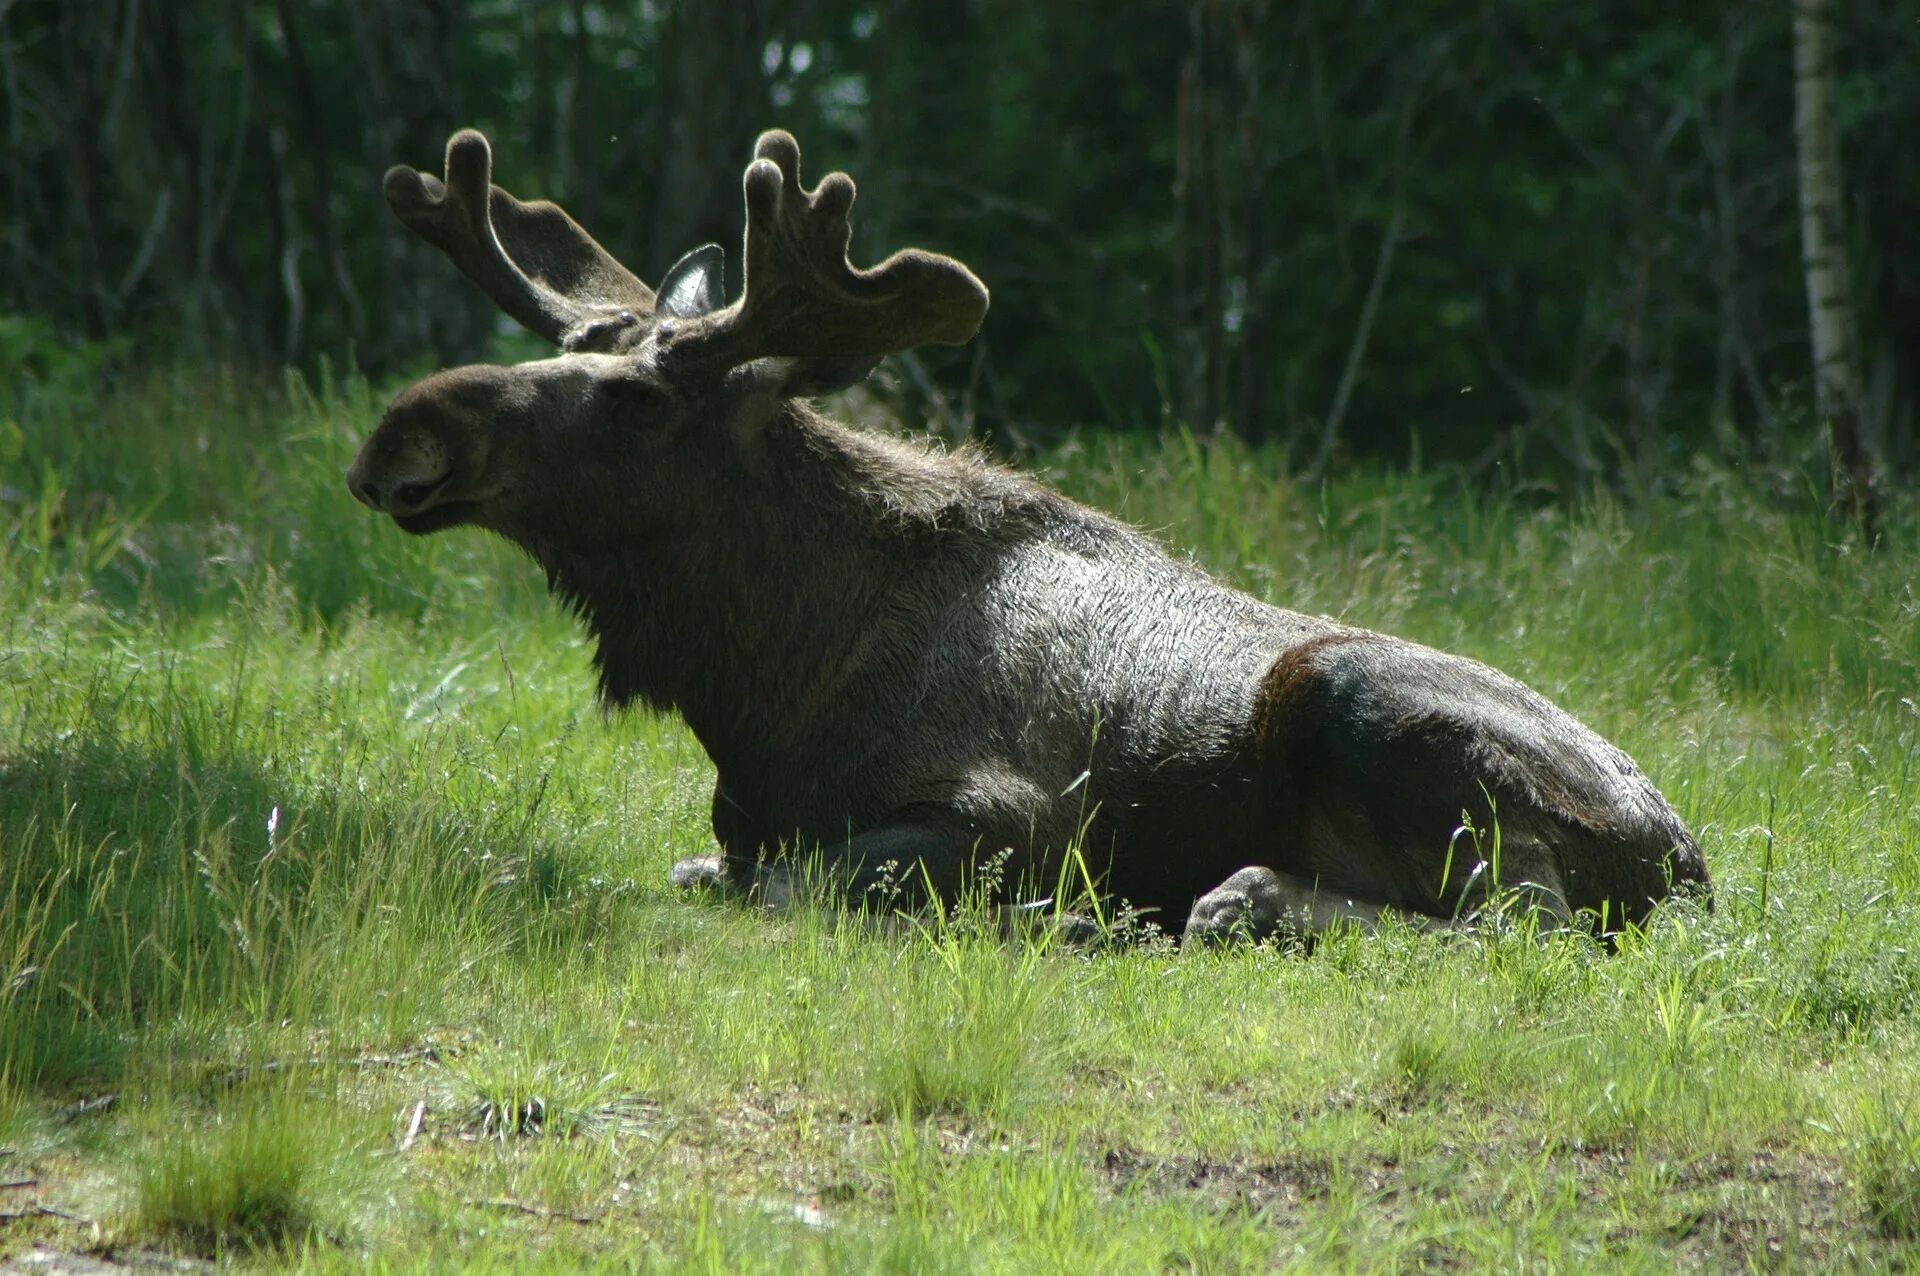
{"x": 257, "y": 1171}
{"x": 334, "y": 925}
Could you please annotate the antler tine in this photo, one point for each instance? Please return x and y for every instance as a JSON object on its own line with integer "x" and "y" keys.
{"x": 534, "y": 262}
{"x": 804, "y": 299}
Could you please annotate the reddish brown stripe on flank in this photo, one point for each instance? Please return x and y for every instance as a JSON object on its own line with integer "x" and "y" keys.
{"x": 1291, "y": 698}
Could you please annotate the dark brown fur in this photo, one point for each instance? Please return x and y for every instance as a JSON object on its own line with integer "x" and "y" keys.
{"x": 899, "y": 656}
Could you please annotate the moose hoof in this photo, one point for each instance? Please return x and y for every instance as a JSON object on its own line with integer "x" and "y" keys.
{"x": 1078, "y": 932}
{"x": 1075, "y": 931}
{"x": 1249, "y": 906}
{"x": 701, "y": 872}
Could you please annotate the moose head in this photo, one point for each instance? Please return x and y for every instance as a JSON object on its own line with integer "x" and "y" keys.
{"x": 509, "y": 447}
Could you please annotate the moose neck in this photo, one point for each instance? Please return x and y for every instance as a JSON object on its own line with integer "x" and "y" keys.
{"x": 755, "y": 609}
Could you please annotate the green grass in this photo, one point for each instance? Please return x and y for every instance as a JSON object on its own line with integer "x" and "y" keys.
{"x": 317, "y": 859}
{"x": 257, "y": 1174}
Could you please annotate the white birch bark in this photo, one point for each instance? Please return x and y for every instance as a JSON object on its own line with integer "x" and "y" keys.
{"x": 1836, "y": 362}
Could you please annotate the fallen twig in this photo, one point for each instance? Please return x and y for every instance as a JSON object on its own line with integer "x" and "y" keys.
{"x": 89, "y": 1107}
{"x": 41, "y": 1209}
{"x": 536, "y": 1211}
{"x": 399, "y": 1058}
{"x": 413, "y": 1126}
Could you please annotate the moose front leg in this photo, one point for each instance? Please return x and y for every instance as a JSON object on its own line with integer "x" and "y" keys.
{"x": 896, "y": 862}
{"x": 887, "y": 870}
{"x": 903, "y": 862}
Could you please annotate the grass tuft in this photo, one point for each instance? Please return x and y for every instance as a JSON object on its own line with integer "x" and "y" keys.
{"x": 547, "y": 1102}
{"x": 974, "y": 1039}
{"x": 1421, "y": 1064}
{"x": 1885, "y": 1161}
{"x": 258, "y": 1176}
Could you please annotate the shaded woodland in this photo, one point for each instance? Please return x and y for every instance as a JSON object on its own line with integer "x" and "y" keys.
{"x": 1513, "y": 228}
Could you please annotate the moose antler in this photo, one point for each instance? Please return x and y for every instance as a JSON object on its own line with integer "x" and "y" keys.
{"x": 803, "y": 299}
{"x": 533, "y": 260}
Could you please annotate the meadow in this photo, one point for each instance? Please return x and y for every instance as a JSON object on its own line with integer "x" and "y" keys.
{"x": 335, "y": 930}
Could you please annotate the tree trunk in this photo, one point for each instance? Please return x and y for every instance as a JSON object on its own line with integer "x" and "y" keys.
{"x": 1836, "y": 356}
{"x": 1198, "y": 285}
{"x": 716, "y": 106}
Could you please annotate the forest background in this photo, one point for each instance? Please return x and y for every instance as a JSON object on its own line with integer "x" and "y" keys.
{"x": 1564, "y": 233}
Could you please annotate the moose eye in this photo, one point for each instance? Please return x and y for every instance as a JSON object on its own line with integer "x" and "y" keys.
{"x": 633, "y": 395}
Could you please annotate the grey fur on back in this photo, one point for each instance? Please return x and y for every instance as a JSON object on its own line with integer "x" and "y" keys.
{"x": 908, "y": 637}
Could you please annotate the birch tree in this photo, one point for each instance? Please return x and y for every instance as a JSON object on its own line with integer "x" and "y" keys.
{"x": 1836, "y": 353}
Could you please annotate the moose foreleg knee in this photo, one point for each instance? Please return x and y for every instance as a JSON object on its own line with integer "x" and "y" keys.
{"x": 699, "y": 872}
{"x": 771, "y": 885}
{"x": 902, "y": 863}
{"x": 1258, "y": 903}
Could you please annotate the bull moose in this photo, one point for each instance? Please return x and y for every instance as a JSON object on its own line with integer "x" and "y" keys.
{"x": 911, "y": 660}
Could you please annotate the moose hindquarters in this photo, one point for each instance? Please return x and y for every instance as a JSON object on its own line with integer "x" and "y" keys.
{"x": 1405, "y": 768}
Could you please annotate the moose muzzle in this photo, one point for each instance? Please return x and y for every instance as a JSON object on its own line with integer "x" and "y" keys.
{"x": 399, "y": 479}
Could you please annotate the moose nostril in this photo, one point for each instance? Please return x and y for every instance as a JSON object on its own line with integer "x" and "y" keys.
{"x": 368, "y": 492}
{"x": 410, "y": 494}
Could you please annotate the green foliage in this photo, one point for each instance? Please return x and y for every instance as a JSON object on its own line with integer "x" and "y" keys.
{"x": 1886, "y": 1163}
{"x": 38, "y": 365}
{"x": 250, "y": 1176}
{"x": 1576, "y": 222}
{"x": 977, "y": 1040}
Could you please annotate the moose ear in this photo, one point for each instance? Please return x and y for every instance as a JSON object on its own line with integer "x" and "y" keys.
{"x": 696, "y": 285}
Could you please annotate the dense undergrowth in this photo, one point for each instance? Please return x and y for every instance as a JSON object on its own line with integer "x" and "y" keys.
{"x": 334, "y": 923}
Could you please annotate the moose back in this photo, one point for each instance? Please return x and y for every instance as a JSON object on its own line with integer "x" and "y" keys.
{"x": 912, "y": 661}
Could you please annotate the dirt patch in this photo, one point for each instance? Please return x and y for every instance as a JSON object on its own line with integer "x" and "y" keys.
{"x": 1231, "y": 1183}
{"x": 50, "y": 1262}
{"x": 1765, "y": 1209}
{"x": 1768, "y": 1208}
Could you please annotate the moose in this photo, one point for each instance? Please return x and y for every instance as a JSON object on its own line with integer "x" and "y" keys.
{"x": 910, "y": 661}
